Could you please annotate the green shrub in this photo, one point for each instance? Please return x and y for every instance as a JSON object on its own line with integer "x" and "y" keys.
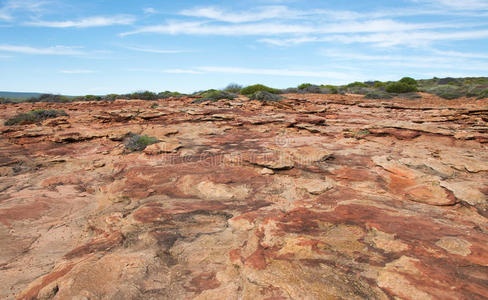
{"x": 265, "y": 96}
{"x": 409, "y": 81}
{"x": 446, "y": 91}
{"x": 332, "y": 88}
{"x": 168, "y": 94}
{"x": 135, "y": 142}
{"x": 49, "y": 98}
{"x": 379, "y": 84}
{"x": 249, "y": 90}
{"x": 304, "y": 86}
{"x": 146, "y": 95}
{"x": 214, "y": 95}
{"x": 400, "y": 87}
{"x": 483, "y": 94}
{"x": 356, "y": 84}
{"x": 35, "y": 116}
{"x": 378, "y": 95}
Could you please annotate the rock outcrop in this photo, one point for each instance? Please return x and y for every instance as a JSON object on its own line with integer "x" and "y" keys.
{"x": 312, "y": 197}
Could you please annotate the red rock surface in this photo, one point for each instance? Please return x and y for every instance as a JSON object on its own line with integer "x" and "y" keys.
{"x": 318, "y": 197}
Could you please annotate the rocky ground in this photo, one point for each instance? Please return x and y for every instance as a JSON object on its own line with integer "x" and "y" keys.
{"x": 316, "y": 197}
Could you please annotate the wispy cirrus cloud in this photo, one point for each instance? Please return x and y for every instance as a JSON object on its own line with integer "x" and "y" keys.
{"x": 96, "y": 21}
{"x": 12, "y": 7}
{"x": 55, "y": 50}
{"x": 259, "y": 14}
{"x": 388, "y": 39}
{"x": 149, "y": 10}
{"x": 457, "y": 5}
{"x": 269, "y": 29}
{"x": 158, "y": 51}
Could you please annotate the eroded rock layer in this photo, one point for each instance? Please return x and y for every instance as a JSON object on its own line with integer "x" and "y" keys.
{"x": 314, "y": 197}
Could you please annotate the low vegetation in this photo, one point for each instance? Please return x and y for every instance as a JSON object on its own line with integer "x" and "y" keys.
{"x": 265, "y": 96}
{"x": 400, "y": 88}
{"x": 447, "y": 88}
{"x": 135, "y": 142}
{"x": 35, "y": 116}
{"x": 214, "y": 95}
{"x": 249, "y": 90}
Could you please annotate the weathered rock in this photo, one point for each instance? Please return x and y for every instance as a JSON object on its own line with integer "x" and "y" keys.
{"x": 162, "y": 147}
{"x": 316, "y": 197}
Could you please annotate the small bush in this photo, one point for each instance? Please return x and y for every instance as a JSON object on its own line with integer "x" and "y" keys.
{"x": 135, "y": 142}
{"x": 146, "y": 95}
{"x": 214, "y": 95}
{"x": 233, "y": 88}
{"x": 400, "y": 87}
{"x": 49, "y": 98}
{"x": 356, "y": 84}
{"x": 379, "y": 84}
{"x": 378, "y": 95}
{"x": 5, "y": 100}
{"x": 446, "y": 91}
{"x": 409, "y": 81}
{"x": 249, "y": 90}
{"x": 35, "y": 116}
{"x": 304, "y": 86}
{"x": 265, "y": 96}
{"x": 168, "y": 94}
{"x": 332, "y": 88}
{"x": 483, "y": 94}
{"x": 410, "y": 96}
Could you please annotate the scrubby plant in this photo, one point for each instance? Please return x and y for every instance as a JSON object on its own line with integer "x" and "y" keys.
{"x": 168, "y": 94}
{"x": 35, "y": 116}
{"x": 378, "y": 95}
{"x": 146, "y": 95}
{"x": 304, "y": 86}
{"x": 249, "y": 90}
{"x": 332, "y": 88}
{"x": 5, "y": 100}
{"x": 135, "y": 142}
{"x": 483, "y": 94}
{"x": 214, "y": 95}
{"x": 409, "y": 81}
{"x": 400, "y": 87}
{"x": 49, "y": 98}
{"x": 233, "y": 88}
{"x": 379, "y": 84}
{"x": 265, "y": 96}
{"x": 356, "y": 84}
{"x": 446, "y": 91}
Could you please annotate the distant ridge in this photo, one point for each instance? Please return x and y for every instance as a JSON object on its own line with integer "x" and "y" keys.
{"x": 18, "y": 95}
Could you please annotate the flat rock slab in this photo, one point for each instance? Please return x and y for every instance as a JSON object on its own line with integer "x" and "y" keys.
{"x": 316, "y": 197}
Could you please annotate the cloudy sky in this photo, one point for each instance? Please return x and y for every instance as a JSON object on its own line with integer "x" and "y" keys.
{"x": 98, "y": 47}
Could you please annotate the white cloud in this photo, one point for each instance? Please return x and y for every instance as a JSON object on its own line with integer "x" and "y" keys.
{"x": 159, "y": 51}
{"x": 461, "y": 54}
{"x": 97, "y": 21}
{"x": 458, "y": 5}
{"x": 149, "y": 10}
{"x": 10, "y": 7}
{"x": 388, "y": 39}
{"x": 56, "y": 50}
{"x": 262, "y": 13}
{"x": 268, "y": 29}
{"x": 77, "y": 71}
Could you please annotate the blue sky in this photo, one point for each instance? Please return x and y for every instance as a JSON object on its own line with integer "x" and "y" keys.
{"x": 98, "y": 47}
